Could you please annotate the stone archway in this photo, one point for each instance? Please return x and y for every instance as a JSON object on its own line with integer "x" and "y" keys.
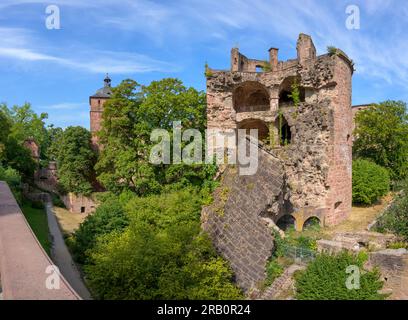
{"x": 251, "y": 96}
{"x": 310, "y": 222}
{"x": 286, "y": 221}
{"x": 285, "y": 90}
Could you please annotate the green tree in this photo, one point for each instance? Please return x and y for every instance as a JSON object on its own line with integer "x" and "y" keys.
{"x": 129, "y": 117}
{"x": 161, "y": 255}
{"x": 370, "y": 181}
{"x": 51, "y": 148}
{"x": 4, "y": 133}
{"x": 381, "y": 135}
{"x": 12, "y": 152}
{"x": 108, "y": 217}
{"x": 18, "y": 157}
{"x": 75, "y": 160}
{"x": 26, "y": 124}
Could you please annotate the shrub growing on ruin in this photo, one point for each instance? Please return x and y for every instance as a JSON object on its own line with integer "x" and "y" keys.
{"x": 395, "y": 219}
{"x": 370, "y": 182}
{"x": 325, "y": 279}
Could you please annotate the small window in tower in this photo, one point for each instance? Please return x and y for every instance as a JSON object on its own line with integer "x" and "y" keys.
{"x": 82, "y": 209}
{"x": 99, "y": 103}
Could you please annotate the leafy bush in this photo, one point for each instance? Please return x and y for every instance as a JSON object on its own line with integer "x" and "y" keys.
{"x": 108, "y": 217}
{"x": 325, "y": 279}
{"x": 11, "y": 176}
{"x": 273, "y": 270}
{"x": 381, "y": 136}
{"x": 56, "y": 201}
{"x": 13, "y": 179}
{"x": 161, "y": 255}
{"x": 395, "y": 219}
{"x": 370, "y": 182}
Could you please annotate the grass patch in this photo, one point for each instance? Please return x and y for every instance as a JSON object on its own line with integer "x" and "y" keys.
{"x": 37, "y": 219}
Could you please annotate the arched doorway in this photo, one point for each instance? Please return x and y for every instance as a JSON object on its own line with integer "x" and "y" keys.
{"x": 312, "y": 223}
{"x": 251, "y": 96}
{"x": 286, "y": 222}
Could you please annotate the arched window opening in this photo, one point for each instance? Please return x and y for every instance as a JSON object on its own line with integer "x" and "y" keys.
{"x": 286, "y": 222}
{"x": 251, "y": 96}
{"x": 311, "y": 223}
{"x": 287, "y": 88}
{"x": 263, "y": 130}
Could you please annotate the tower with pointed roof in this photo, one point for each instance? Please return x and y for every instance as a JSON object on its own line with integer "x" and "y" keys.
{"x": 96, "y": 102}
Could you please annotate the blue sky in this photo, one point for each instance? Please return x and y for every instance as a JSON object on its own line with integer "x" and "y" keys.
{"x": 57, "y": 70}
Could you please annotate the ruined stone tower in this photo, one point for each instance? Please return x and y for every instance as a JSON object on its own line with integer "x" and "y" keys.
{"x": 306, "y": 160}
{"x": 96, "y": 103}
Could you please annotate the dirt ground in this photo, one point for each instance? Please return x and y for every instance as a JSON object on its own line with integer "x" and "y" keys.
{"x": 361, "y": 217}
{"x": 358, "y": 220}
{"x": 68, "y": 221}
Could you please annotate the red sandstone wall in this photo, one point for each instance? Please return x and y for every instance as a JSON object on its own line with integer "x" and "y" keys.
{"x": 340, "y": 172}
{"x": 79, "y": 204}
{"x": 95, "y": 115}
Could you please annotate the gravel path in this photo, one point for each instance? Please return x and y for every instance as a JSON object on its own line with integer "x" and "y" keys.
{"x": 61, "y": 256}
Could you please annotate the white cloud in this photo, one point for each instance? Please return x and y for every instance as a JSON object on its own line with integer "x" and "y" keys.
{"x": 20, "y": 44}
{"x": 65, "y": 106}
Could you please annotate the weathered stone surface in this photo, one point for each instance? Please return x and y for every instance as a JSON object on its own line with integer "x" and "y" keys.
{"x": 333, "y": 247}
{"x": 317, "y": 162}
{"x": 310, "y": 141}
{"x": 393, "y": 264}
{"x": 234, "y": 219}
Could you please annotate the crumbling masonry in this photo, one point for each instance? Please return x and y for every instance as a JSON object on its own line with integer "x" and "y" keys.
{"x": 306, "y": 158}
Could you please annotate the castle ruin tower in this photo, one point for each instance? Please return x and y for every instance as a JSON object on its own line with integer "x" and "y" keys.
{"x": 311, "y": 135}
{"x": 96, "y": 103}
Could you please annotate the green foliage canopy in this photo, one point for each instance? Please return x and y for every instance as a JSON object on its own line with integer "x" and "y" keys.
{"x": 75, "y": 160}
{"x": 161, "y": 255}
{"x": 129, "y": 117}
{"x": 381, "y": 136}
